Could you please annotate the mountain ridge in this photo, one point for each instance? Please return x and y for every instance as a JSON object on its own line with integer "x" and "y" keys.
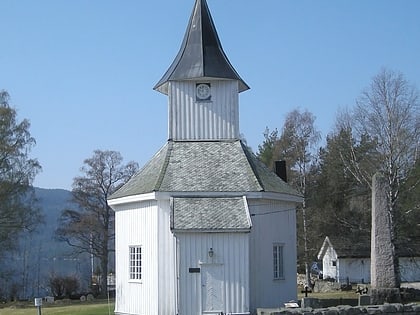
{"x": 40, "y": 255}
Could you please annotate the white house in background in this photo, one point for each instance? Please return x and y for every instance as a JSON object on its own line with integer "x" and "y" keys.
{"x": 345, "y": 261}
{"x": 204, "y": 227}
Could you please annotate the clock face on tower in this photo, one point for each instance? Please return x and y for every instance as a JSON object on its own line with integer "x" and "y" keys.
{"x": 203, "y": 91}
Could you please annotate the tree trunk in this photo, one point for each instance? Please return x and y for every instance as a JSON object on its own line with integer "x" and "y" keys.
{"x": 308, "y": 281}
{"x": 104, "y": 276}
{"x": 104, "y": 265}
{"x": 395, "y": 257}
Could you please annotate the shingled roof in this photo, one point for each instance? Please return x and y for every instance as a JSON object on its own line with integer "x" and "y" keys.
{"x": 210, "y": 214}
{"x": 204, "y": 166}
{"x": 201, "y": 54}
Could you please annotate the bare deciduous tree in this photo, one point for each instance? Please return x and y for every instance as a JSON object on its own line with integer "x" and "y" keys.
{"x": 386, "y": 113}
{"x": 90, "y": 228}
{"x": 296, "y": 145}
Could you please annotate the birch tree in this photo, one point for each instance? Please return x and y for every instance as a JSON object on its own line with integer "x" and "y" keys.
{"x": 297, "y": 144}
{"x": 386, "y": 112}
{"x": 18, "y": 212}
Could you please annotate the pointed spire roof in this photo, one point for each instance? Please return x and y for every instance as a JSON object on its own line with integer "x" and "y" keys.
{"x": 201, "y": 54}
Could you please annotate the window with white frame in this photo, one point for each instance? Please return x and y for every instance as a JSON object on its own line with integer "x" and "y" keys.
{"x": 135, "y": 262}
{"x": 278, "y": 272}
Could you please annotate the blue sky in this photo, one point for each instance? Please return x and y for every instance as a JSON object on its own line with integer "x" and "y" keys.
{"x": 82, "y": 71}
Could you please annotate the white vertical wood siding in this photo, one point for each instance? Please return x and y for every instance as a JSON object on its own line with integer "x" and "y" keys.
{"x": 231, "y": 253}
{"x": 410, "y": 269}
{"x": 139, "y": 224}
{"x": 328, "y": 270}
{"x": 129, "y": 230}
{"x": 190, "y": 119}
{"x": 273, "y": 222}
{"x": 355, "y": 270}
{"x": 167, "y": 261}
{"x": 358, "y": 269}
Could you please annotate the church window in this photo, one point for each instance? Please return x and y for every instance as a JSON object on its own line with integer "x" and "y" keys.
{"x": 135, "y": 262}
{"x": 278, "y": 261}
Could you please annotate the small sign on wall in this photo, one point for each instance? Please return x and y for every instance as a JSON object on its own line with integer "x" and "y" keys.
{"x": 194, "y": 270}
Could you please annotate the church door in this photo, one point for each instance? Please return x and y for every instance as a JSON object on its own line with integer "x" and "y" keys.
{"x": 212, "y": 289}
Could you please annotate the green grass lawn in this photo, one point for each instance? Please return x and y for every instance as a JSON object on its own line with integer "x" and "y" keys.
{"x": 75, "y": 308}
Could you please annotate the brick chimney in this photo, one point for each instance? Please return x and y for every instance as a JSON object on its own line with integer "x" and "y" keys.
{"x": 280, "y": 169}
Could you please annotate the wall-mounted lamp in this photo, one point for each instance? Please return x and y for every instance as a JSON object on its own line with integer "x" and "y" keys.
{"x": 211, "y": 252}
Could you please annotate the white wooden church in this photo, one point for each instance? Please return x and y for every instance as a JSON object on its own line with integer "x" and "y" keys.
{"x": 204, "y": 227}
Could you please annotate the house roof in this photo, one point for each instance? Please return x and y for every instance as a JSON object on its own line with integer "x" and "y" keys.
{"x": 201, "y": 54}
{"x": 346, "y": 249}
{"x": 360, "y": 248}
{"x": 204, "y": 166}
{"x": 210, "y": 214}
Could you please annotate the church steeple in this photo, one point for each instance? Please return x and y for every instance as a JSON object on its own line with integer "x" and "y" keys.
{"x": 201, "y": 55}
{"x": 202, "y": 86}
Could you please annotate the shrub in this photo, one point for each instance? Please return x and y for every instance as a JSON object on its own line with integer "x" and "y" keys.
{"x": 63, "y": 286}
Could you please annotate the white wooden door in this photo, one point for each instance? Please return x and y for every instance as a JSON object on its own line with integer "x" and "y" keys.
{"x": 212, "y": 289}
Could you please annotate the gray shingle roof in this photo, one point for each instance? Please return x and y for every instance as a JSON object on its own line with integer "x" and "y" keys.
{"x": 147, "y": 179}
{"x": 210, "y": 214}
{"x": 204, "y": 166}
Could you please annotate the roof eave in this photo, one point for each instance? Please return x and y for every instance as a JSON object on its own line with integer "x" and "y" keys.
{"x": 235, "y": 230}
{"x": 163, "y": 87}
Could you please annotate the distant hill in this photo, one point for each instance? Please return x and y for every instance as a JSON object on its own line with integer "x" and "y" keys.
{"x": 40, "y": 254}
{"x": 52, "y": 202}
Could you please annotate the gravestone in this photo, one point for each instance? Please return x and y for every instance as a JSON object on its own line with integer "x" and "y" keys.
{"x": 364, "y": 300}
{"x": 383, "y": 277}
